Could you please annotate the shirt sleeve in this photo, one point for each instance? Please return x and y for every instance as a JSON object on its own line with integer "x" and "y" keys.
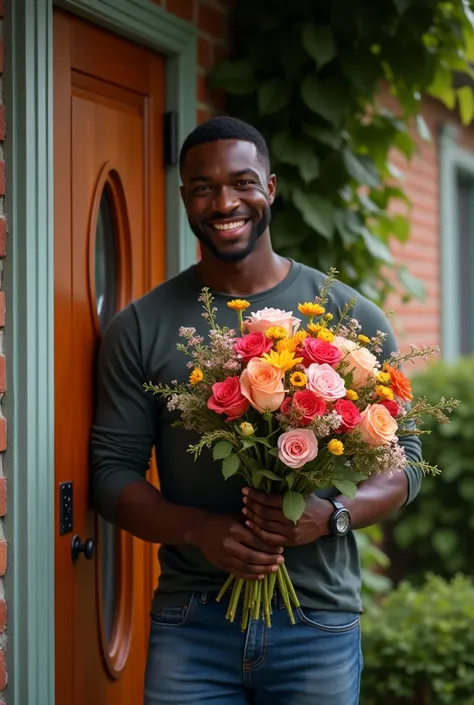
{"x": 412, "y": 444}
{"x": 123, "y": 430}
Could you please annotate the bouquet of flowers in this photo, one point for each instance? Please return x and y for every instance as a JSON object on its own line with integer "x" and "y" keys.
{"x": 295, "y": 408}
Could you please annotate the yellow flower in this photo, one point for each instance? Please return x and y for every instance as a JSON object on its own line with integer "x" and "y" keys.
{"x": 283, "y": 361}
{"x": 298, "y": 379}
{"x": 196, "y": 376}
{"x": 336, "y": 447}
{"x": 238, "y": 304}
{"x": 292, "y": 343}
{"x": 363, "y": 339}
{"x": 384, "y": 392}
{"x": 246, "y": 428}
{"x": 311, "y": 309}
{"x": 326, "y": 335}
{"x": 276, "y": 333}
{"x": 352, "y": 395}
{"x": 383, "y": 378}
{"x": 314, "y": 328}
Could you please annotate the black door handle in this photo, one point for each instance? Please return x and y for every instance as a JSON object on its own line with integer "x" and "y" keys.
{"x": 87, "y": 548}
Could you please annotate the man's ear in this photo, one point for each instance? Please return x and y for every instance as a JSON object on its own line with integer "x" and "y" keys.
{"x": 271, "y": 188}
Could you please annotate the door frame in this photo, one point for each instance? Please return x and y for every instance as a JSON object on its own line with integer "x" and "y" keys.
{"x": 29, "y": 286}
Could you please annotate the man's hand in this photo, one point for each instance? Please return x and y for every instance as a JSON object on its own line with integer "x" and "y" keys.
{"x": 231, "y": 546}
{"x": 264, "y": 515}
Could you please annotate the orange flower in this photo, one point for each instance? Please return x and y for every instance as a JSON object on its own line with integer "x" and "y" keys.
{"x": 401, "y": 386}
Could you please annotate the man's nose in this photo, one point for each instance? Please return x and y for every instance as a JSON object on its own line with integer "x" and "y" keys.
{"x": 225, "y": 200}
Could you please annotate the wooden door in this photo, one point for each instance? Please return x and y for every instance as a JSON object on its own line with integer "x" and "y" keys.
{"x": 109, "y": 249}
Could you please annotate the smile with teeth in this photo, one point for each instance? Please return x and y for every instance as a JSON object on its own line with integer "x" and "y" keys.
{"x": 229, "y": 226}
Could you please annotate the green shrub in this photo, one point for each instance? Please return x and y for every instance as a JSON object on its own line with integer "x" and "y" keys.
{"x": 419, "y": 645}
{"x": 374, "y": 563}
{"x": 436, "y": 532}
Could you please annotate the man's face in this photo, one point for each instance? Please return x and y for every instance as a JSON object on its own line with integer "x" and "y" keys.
{"x": 227, "y": 193}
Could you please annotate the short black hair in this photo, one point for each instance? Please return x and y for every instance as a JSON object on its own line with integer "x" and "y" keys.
{"x": 225, "y": 128}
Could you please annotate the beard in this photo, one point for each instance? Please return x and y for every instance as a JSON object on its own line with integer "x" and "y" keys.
{"x": 257, "y": 231}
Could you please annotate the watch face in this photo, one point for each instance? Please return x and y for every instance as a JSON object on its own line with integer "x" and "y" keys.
{"x": 343, "y": 522}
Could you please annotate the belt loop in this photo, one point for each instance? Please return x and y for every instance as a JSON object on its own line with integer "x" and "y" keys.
{"x": 204, "y": 598}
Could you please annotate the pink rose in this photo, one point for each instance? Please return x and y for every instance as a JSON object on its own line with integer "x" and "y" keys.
{"x": 227, "y": 399}
{"x": 325, "y": 382}
{"x": 377, "y": 427}
{"x": 343, "y": 344}
{"x": 262, "y": 385}
{"x": 392, "y": 407}
{"x": 362, "y": 363}
{"x": 307, "y": 402}
{"x": 260, "y": 321}
{"x": 315, "y": 350}
{"x": 252, "y": 345}
{"x": 297, "y": 447}
{"x": 350, "y": 415}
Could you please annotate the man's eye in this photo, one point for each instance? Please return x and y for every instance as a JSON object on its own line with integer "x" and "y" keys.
{"x": 245, "y": 182}
{"x": 201, "y": 189}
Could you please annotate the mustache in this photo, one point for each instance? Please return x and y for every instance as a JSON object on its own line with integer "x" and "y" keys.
{"x": 216, "y": 216}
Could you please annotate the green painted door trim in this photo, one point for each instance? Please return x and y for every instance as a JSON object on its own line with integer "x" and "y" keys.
{"x": 29, "y": 286}
{"x": 29, "y": 400}
{"x": 453, "y": 161}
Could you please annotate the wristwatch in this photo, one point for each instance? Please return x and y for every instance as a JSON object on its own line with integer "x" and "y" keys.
{"x": 340, "y": 520}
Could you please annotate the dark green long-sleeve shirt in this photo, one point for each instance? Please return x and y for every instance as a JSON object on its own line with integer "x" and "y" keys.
{"x": 139, "y": 346}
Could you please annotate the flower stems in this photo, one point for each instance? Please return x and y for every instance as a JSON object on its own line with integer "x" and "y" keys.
{"x": 258, "y": 596}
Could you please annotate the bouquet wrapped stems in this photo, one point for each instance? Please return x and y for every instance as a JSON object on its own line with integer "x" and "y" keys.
{"x": 257, "y": 596}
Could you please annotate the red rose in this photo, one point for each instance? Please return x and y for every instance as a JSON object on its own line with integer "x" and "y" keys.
{"x": 286, "y": 406}
{"x": 252, "y": 345}
{"x": 315, "y": 350}
{"x": 350, "y": 415}
{"x": 228, "y": 399}
{"x": 310, "y": 403}
{"x": 391, "y": 406}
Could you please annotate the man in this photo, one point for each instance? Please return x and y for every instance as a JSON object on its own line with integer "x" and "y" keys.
{"x": 208, "y": 527}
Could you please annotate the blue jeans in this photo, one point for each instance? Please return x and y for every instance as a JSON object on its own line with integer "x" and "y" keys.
{"x": 197, "y": 657}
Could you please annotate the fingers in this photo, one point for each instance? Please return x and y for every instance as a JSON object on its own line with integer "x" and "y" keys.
{"x": 248, "y": 562}
{"x": 268, "y": 500}
{"x": 272, "y": 527}
{"x": 246, "y": 537}
{"x": 266, "y": 512}
{"x": 268, "y": 537}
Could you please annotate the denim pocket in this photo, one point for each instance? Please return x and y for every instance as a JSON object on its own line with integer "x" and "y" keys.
{"x": 172, "y": 616}
{"x": 328, "y": 621}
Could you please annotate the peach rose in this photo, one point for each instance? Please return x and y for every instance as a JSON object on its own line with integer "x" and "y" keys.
{"x": 362, "y": 363}
{"x": 262, "y": 385}
{"x": 261, "y": 320}
{"x": 377, "y": 427}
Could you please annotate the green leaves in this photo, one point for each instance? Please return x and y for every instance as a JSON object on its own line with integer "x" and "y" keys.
{"x": 293, "y": 505}
{"x": 346, "y": 487}
{"x": 222, "y": 450}
{"x": 316, "y": 211}
{"x": 309, "y": 75}
{"x": 273, "y": 95}
{"x": 230, "y": 466}
{"x": 318, "y": 40}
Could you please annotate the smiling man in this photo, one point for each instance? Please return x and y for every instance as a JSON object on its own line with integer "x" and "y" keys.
{"x": 208, "y": 527}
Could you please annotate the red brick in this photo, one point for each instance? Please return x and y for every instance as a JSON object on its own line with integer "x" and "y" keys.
{"x": 2, "y": 309}
{"x": 182, "y": 8}
{"x": 3, "y": 496}
{"x": 3, "y": 562}
{"x": 3, "y": 670}
{"x": 3, "y": 376}
{"x": 204, "y": 53}
{"x": 203, "y": 115}
{"x": 2, "y": 123}
{"x": 2, "y": 178}
{"x": 3, "y": 438}
{"x": 1, "y": 48}
{"x": 3, "y": 237}
{"x": 211, "y": 21}
{"x": 3, "y": 615}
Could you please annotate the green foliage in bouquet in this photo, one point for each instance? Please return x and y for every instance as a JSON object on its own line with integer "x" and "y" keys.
{"x": 418, "y": 645}
{"x": 308, "y": 75}
{"x": 436, "y": 533}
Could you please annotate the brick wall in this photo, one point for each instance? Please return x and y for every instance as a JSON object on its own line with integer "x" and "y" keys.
{"x": 211, "y": 19}
{"x": 3, "y": 423}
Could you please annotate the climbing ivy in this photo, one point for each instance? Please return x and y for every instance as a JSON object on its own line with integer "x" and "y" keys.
{"x": 310, "y": 75}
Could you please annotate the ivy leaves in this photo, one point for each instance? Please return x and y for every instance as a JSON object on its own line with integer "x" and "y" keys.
{"x": 309, "y": 78}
